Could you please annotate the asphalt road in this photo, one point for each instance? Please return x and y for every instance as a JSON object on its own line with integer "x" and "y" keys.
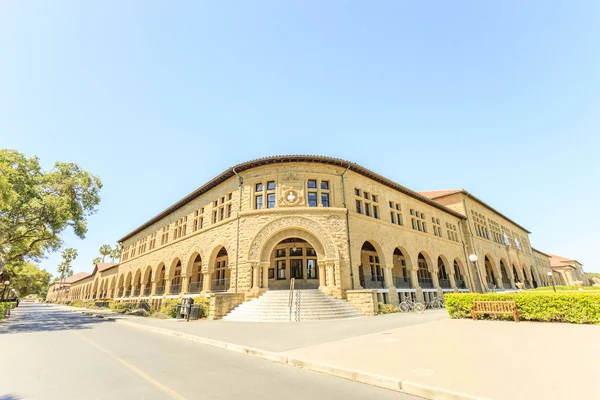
{"x": 47, "y": 353}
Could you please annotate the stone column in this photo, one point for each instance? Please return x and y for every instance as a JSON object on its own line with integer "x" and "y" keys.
{"x": 436, "y": 283}
{"x": 331, "y": 274}
{"x": 153, "y": 290}
{"x": 184, "y": 284}
{"x": 265, "y": 274}
{"x": 389, "y": 284}
{"x": 322, "y": 276}
{"x": 142, "y": 288}
{"x": 205, "y": 282}
{"x": 499, "y": 283}
{"x": 168, "y": 286}
{"x": 453, "y": 281}
{"x": 415, "y": 281}
{"x": 255, "y": 276}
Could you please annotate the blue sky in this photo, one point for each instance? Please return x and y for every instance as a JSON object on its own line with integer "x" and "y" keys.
{"x": 501, "y": 98}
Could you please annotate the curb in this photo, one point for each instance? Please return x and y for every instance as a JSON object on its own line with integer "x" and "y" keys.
{"x": 395, "y": 384}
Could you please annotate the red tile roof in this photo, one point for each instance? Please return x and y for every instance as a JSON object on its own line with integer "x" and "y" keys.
{"x": 104, "y": 266}
{"x": 77, "y": 277}
{"x": 558, "y": 261}
{"x": 434, "y": 194}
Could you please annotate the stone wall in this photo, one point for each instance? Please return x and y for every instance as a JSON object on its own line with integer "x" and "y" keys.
{"x": 222, "y": 303}
{"x": 364, "y": 300}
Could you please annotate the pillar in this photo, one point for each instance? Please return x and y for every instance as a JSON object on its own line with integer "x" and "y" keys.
{"x": 331, "y": 274}
{"x": 142, "y": 289}
{"x": 322, "y": 276}
{"x": 185, "y": 284}
{"x": 415, "y": 281}
{"x": 389, "y": 284}
{"x": 452, "y": 281}
{"x": 264, "y": 267}
{"x": 255, "y": 277}
{"x": 205, "y": 282}
{"x": 436, "y": 283}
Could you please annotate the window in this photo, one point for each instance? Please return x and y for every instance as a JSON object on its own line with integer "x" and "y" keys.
{"x": 223, "y": 208}
{"x": 418, "y": 221}
{"x": 376, "y": 212}
{"x": 368, "y": 209}
{"x": 259, "y": 202}
{"x": 180, "y": 228}
{"x": 271, "y": 200}
{"x": 357, "y": 192}
{"x": 393, "y": 217}
{"x": 259, "y": 187}
{"x": 280, "y": 269}
{"x": 367, "y": 203}
{"x": 271, "y": 185}
{"x": 366, "y": 195}
{"x": 359, "y": 206}
{"x": 153, "y": 241}
{"x": 198, "y": 219}
{"x": 312, "y": 199}
{"x": 437, "y": 229}
{"x": 452, "y": 232}
{"x": 296, "y": 252}
{"x": 317, "y": 190}
{"x": 164, "y": 239}
{"x": 280, "y": 253}
{"x": 480, "y": 223}
{"x": 311, "y": 269}
{"x": 395, "y": 213}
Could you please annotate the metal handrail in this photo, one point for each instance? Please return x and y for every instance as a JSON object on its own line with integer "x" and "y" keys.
{"x": 291, "y": 297}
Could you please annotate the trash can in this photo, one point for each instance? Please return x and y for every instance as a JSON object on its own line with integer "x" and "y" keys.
{"x": 186, "y": 307}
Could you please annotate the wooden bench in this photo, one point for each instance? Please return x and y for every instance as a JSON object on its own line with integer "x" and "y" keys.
{"x": 495, "y": 308}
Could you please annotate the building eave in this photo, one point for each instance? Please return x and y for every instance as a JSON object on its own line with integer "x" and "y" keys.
{"x": 229, "y": 173}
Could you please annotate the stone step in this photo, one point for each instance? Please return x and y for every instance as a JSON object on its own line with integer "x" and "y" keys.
{"x": 273, "y": 306}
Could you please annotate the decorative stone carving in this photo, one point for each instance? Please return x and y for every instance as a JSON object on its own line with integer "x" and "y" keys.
{"x": 291, "y": 196}
{"x": 336, "y": 224}
{"x": 292, "y": 226}
{"x": 291, "y": 176}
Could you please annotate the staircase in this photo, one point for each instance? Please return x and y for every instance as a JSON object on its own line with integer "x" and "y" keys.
{"x": 307, "y": 305}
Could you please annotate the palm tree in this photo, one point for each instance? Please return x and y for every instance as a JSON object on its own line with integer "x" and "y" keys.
{"x": 96, "y": 261}
{"x": 115, "y": 253}
{"x": 69, "y": 254}
{"x": 105, "y": 250}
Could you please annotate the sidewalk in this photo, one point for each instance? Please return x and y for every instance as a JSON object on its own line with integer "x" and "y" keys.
{"x": 427, "y": 355}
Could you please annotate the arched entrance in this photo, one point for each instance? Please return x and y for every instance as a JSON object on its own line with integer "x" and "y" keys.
{"x": 293, "y": 258}
{"x": 160, "y": 280}
{"x": 147, "y": 279}
{"x": 401, "y": 270}
{"x": 443, "y": 277}
{"x": 175, "y": 275}
{"x": 128, "y": 285}
{"x": 505, "y": 279}
{"x": 489, "y": 273}
{"x": 221, "y": 275}
{"x": 196, "y": 276}
{"x": 423, "y": 273}
{"x": 137, "y": 279}
{"x": 516, "y": 274}
{"x": 459, "y": 278}
{"x": 370, "y": 272}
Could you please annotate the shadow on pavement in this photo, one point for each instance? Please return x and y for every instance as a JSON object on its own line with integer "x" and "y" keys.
{"x": 10, "y": 397}
{"x": 32, "y": 318}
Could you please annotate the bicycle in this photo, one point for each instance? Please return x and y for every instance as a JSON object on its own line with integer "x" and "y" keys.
{"x": 436, "y": 304}
{"x": 414, "y": 306}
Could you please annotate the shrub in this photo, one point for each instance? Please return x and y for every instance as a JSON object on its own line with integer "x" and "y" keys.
{"x": 169, "y": 307}
{"x": 76, "y": 303}
{"x": 564, "y": 288}
{"x": 140, "y": 312}
{"x": 577, "y": 307}
{"x": 120, "y": 307}
{"x": 388, "y": 308}
{"x": 204, "y": 306}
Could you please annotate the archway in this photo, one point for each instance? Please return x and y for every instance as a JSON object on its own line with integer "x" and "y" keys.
{"x": 515, "y": 274}
{"x": 128, "y": 283}
{"x": 120, "y": 286}
{"x": 526, "y": 278}
{"x": 220, "y": 272}
{"x": 459, "y": 277}
{"x": 505, "y": 277}
{"x": 423, "y": 272}
{"x": 443, "y": 278}
{"x": 294, "y": 258}
{"x": 401, "y": 270}
{"x": 160, "y": 280}
{"x": 195, "y": 280}
{"x": 112, "y": 286}
{"x": 147, "y": 279}
{"x": 370, "y": 272}
{"x": 95, "y": 289}
{"x": 175, "y": 277}
{"x": 137, "y": 282}
{"x": 489, "y": 273}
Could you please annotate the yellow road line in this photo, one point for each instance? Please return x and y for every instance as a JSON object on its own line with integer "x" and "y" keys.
{"x": 133, "y": 368}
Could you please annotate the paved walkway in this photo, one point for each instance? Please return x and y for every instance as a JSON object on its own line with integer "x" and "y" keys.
{"x": 494, "y": 360}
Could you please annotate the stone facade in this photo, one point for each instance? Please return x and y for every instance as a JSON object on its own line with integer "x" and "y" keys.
{"x": 327, "y": 223}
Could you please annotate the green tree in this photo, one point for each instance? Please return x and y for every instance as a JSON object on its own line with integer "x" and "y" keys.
{"x": 36, "y": 206}
{"x": 96, "y": 261}
{"x": 27, "y": 279}
{"x": 105, "y": 251}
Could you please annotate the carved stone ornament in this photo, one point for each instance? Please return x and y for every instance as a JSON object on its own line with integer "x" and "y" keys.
{"x": 291, "y": 176}
{"x": 291, "y": 196}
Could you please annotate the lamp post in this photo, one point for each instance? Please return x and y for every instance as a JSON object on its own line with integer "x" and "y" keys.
{"x": 551, "y": 275}
{"x": 473, "y": 258}
{"x": 6, "y": 283}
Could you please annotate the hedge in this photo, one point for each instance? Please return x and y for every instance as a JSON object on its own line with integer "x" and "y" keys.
{"x": 563, "y": 288}
{"x": 4, "y": 308}
{"x": 574, "y": 307}
{"x": 388, "y": 308}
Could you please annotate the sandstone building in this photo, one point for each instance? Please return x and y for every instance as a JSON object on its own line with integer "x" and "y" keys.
{"x": 331, "y": 225}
